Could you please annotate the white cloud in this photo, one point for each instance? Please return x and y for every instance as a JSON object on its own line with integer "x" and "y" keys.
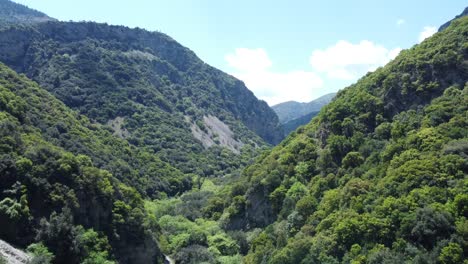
{"x": 339, "y": 64}
{"x": 400, "y": 22}
{"x": 348, "y": 61}
{"x": 253, "y": 67}
{"x": 248, "y": 60}
{"x": 427, "y": 32}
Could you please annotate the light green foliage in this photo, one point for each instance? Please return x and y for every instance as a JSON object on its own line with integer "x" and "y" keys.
{"x": 451, "y": 254}
{"x": 96, "y": 247}
{"x": 180, "y": 235}
{"x": 40, "y": 254}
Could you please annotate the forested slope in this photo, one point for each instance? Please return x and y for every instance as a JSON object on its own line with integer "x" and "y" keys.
{"x": 154, "y": 92}
{"x": 379, "y": 176}
{"x": 57, "y": 197}
{"x": 13, "y": 13}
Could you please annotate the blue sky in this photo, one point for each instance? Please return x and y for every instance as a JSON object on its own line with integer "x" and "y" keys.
{"x": 283, "y": 50}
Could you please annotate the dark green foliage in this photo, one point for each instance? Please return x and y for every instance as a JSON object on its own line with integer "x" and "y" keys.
{"x": 35, "y": 107}
{"x": 379, "y": 176}
{"x": 79, "y": 212}
{"x": 148, "y": 88}
{"x": 291, "y": 125}
{"x": 194, "y": 254}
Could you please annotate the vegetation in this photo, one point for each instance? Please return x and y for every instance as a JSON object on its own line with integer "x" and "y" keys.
{"x": 379, "y": 176}
{"x": 76, "y": 212}
{"x": 13, "y": 13}
{"x": 75, "y": 133}
{"x": 149, "y": 89}
{"x": 292, "y": 125}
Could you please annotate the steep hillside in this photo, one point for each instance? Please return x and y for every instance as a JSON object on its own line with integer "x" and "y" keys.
{"x": 61, "y": 203}
{"x": 291, "y": 110}
{"x": 464, "y": 13}
{"x": 152, "y": 91}
{"x": 75, "y": 133}
{"x": 379, "y": 176}
{"x": 13, "y": 13}
{"x": 292, "y": 125}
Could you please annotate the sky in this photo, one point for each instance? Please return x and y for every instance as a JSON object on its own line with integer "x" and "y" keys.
{"x": 283, "y": 50}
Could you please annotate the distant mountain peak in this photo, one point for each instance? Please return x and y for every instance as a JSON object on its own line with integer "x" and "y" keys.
{"x": 290, "y": 110}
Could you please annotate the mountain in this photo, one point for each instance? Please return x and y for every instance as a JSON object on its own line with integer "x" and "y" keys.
{"x": 119, "y": 145}
{"x": 148, "y": 89}
{"x": 59, "y": 201}
{"x": 13, "y": 13}
{"x": 464, "y": 13}
{"x": 292, "y": 125}
{"x": 113, "y": 118}
{"x": 378, "y": 176}
{"x": 291, "y": 110}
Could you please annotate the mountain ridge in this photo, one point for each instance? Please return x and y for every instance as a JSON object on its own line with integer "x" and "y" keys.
{"x": 122, "y": 146}
{"x": 291, "y": 110}
{"x": 14, "y": 13}
{"x": 445, "y": 25}
{"x": 147, "y": 77}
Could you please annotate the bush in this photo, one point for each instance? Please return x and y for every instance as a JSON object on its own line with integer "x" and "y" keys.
{"x": 40, "y": 253}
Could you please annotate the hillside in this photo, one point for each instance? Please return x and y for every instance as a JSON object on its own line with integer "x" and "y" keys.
{"x": 291, "y": 110}
{"x": 119, "y": 145}
{"x": 149, "y": 89}
{"x": 379, "y": 176}
{"x": 292, "y": 125}
{"x": 59, "y": 201}
{"x": 464, "y": 13}
{"x": 13, "y": 13}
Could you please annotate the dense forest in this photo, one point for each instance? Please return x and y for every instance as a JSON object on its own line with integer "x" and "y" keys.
{"x": 152, "y": 91}
{"x": 59, "y": 203}
{"x": 379, "y": 176}
{"x": 369, "y": 180}
{"x": 119, "y": 145}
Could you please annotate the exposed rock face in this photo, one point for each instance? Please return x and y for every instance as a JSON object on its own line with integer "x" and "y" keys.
{"x": 45, "y": 52}
{"x": 116, "y": 125}
{"x": 216, "y": 132}
{"x": 13, "y": 255}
